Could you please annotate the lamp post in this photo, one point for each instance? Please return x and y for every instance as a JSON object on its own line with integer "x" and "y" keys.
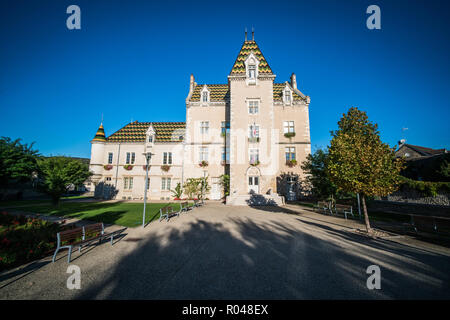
{"x": 148, "y": 156}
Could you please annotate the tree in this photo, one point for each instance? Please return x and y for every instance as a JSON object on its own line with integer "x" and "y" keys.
{"x": 315, "y": 167}
{"x": 360, "y": 162}
{"x": 18, "y": 162}
{"x": 225, "y": 183}
{"x": 57, "y": 174}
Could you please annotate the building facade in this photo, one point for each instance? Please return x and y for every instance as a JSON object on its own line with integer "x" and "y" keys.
{"x": 252, "y": 128}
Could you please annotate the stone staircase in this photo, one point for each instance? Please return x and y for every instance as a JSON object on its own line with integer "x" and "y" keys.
{"x": 255, "y": 200}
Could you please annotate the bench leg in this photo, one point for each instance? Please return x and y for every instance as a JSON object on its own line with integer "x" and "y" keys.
{"x": 69, "y": 254}
{"x": 112, "y": 238}
{"x": 54, "y": 255}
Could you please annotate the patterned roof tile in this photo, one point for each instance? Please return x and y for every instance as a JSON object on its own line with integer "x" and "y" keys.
{"x": 136, "y": 132}
{"x": 248, "y": 47}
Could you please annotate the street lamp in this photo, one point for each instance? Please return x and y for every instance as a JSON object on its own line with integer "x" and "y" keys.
{"x": 148, "y": 156}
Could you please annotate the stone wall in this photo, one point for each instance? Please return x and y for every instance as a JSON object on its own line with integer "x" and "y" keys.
{"x": 413, "y": 196}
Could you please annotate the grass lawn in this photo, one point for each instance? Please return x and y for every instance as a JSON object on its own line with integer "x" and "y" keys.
{"x": 119, "y": 213}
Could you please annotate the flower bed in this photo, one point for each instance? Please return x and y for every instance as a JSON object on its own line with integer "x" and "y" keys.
{"x": 25, "y": 239}
{"x": 128, "y": 167}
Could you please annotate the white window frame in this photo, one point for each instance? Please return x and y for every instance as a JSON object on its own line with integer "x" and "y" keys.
{"x": 167, "y": 158}
{"x": 110, "y": 157}
{"x": 203, "y": 153}
{"x": 252, "y": 152}
{"x": 204, "y": 127}
{"x": 253, "y": 106}
{"x": 166, "y": 184}
{"x": 287, "y": 93}
{"x": 288, "y": 126}
{"x": 250, "y": 131}
{"x": 128, "y": 183}
{"x": 291, "y": 152}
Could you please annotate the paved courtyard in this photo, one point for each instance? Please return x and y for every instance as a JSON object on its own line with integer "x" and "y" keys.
{"x": 221, "y": 252}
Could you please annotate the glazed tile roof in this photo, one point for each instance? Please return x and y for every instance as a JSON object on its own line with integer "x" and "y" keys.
{"x": 248, "y": 47}
{"x": 136, "y": 132}
{"x": 100, "y": 135}
{"x": 221, "y": 92}
{"x": 217, "y": 92}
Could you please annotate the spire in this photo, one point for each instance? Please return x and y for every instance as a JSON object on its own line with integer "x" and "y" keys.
{"x": 245, "y": 34}
{"x": 248, "y": 47}
{"x": 253, "y": 34}
{"x": 100, "y": 135}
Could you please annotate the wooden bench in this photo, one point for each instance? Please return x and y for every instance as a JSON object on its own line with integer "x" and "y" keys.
{"x": 323, "y": 205}
{"x": 167, "y": 211}
{"x": 78, "y": 237}
{"x": 184, "y": 206}
{"x": 343, "y": 208}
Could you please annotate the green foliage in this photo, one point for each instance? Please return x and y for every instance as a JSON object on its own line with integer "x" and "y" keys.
{"x": 24, "y": 239}
{"x": 57, "y": 174}
{"x": 426, "y": 188}
{"x": 289, "y": 134}
{"x": 17, "y": 161}
{"x": 225, "y": 183}
{"x": 359, "y": 161}
{"x": 196, "y": 187}
{"x": 315, "y": 167}
{"x": 178, "y": 191}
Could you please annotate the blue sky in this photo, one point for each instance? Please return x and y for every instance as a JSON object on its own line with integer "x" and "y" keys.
{"x": 131, "y": 60}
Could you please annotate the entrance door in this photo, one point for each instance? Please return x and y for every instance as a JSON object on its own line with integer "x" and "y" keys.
{"x": 253, "y": 184}
{"x": 215, "y": 190}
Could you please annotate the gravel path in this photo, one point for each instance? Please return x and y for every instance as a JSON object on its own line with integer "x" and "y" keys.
{"x": 222, "y": 252}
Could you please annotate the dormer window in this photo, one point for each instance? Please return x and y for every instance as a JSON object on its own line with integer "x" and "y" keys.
{"x": 150, "y": 139}
{"x": 252, "y": 71}
{"x": 205, "y": 96}
{"x": 287, "y": 96}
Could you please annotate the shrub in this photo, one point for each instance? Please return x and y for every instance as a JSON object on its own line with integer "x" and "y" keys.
{"x": 25, "y": 239}
{"x": 426, "y": 188}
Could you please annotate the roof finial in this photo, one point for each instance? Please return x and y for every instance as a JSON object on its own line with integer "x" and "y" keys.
{"x": 102, "y": 118}
{"x": 245, "y": 33}
{"x": 253, "y": 33}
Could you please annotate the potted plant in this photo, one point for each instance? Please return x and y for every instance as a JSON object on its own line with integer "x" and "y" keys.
{"x": 253, "y": 139}
{"x": 254, "y": 163}
{"x": 291, "y": 163}
{"x": 107, "y": 167}
{"x": 165, "y": 167}
{"x": 128, "y": 167}
{"x": 289, "y": 134}
{"x": 203, "y": 163}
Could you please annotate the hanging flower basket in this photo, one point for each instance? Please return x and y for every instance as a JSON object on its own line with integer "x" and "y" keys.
{"x": 144, "y": 167}
{"x": 254, "y": 163}
{"x": 289, "y": 134}
{"x": 165, "y": 167}
{"x": 107, "y": 167}
{"x": 203, "y": 163}
{"x": 128, "y": 167}
{"x": 291, "y": 163}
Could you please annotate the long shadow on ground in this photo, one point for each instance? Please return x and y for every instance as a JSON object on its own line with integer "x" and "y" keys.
{"x": 243, "y": 259}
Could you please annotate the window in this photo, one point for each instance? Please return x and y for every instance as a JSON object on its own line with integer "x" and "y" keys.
{"x": 167, "y": 158}
{"x": 203, "y": 154}
{"x": 165, "y": 183}
{"x": 110, "y": 158}
{"x": 204, "y": 127}
{"x": 128, "y": 183}
{"x": 252, "y": 71}
{"x": 289, "y": 126}
{"x": 108, "y": 179}
{"x": 253, "y": 131}
{"x": 253, "y": 107}
{"x": 223, "y": 154}
{"x": 287, "y": 96}
{"x": 205, "y": 96}
{"x": 150, "y": 139}
{"x": 254, "y": 155}
{"x": 131, "y": 157}
{"x": 290, "y": 153}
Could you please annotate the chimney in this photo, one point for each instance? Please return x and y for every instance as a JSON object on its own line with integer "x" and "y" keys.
{"x": 191, "y": 83}
{"x": 293, "y": 81}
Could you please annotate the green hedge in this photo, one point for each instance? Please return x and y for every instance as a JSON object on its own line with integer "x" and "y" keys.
{"x": 426, "y": 188}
